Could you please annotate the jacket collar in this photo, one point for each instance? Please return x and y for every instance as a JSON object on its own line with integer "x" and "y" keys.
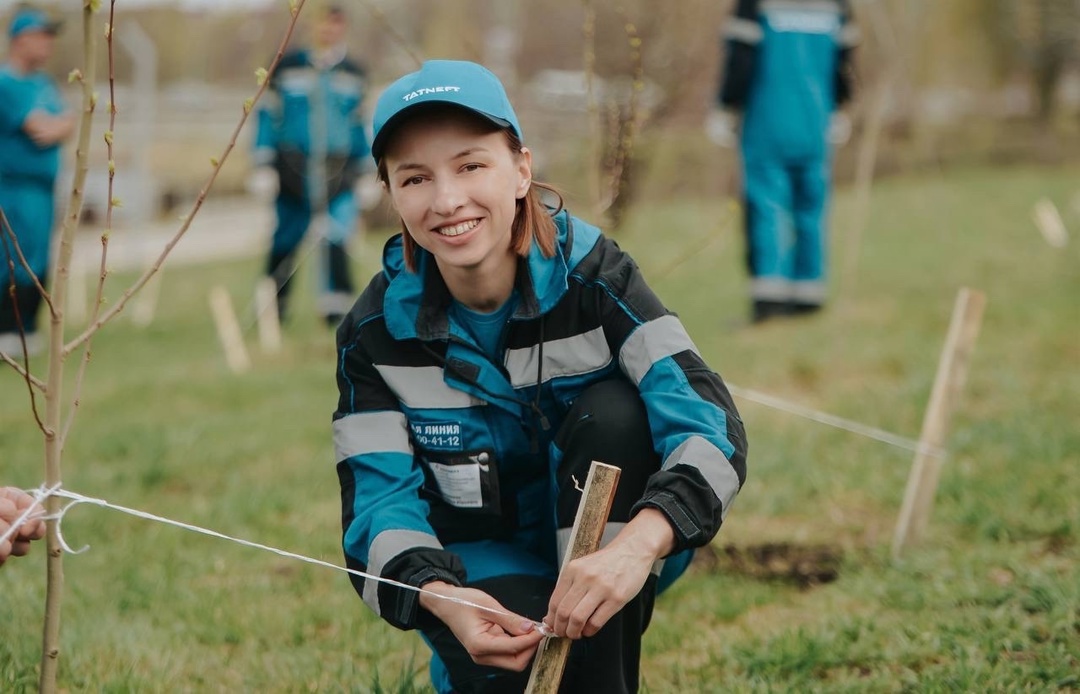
{"x": 416, "y": 303}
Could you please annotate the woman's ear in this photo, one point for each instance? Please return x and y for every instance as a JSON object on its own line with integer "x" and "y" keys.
{"x": 525, "y": 170}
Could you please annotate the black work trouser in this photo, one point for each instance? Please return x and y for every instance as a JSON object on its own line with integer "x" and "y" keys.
{"x": 607, "y": 423}
{"x": 23, "y": 309}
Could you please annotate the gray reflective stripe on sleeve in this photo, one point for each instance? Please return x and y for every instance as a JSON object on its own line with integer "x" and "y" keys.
{"x": 371, "y": 432}
{"x": 808, "y": 291}
{"x": 651, "y": 342}
{"x": 334, "y": 302}
{"x": 570, "y": 356}
{"x": 770, "y": 289}
{"x": 347, "y": 82}
{"x": 387, "y": 545}
{"x": 850, "y": 36}
{"x": 270, "y": 101}
{"x": 422, "y": 387}
{"x": 562, "y": 537}
{"x": 713, "y": 465}
{"x": 298, "y": 79}
{"x": 745, "y": 30}
{"x": 800, "y": 6}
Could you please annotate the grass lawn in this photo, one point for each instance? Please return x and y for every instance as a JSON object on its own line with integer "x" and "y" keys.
{"x": 991, "y": 600}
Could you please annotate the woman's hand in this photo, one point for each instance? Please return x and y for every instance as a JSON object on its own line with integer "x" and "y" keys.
{"x": 506, "y": 642}
{"x": 595, "y": 587}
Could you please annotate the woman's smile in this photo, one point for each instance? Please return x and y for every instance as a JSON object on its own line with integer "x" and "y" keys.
{"x": 455, "y": 230}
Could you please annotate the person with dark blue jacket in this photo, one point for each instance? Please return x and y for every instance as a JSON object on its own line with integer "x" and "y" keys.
{"x": 309, "y": 150}
{"x": 787, "y": 70}
{"x": 503, "y": 347}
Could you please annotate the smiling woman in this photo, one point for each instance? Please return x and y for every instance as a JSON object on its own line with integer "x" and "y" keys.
{"x": 456, "y": 184}
{"x": 504, "y": 347}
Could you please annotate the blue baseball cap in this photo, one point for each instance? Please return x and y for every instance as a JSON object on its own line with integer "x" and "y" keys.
{"x": 31, "y": 19}
{"x": 455, "y": 82}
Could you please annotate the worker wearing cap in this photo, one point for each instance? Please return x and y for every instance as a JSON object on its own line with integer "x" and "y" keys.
{"x": 34, "y": 122}
{"x": 503, "y": 347}
{"x": 309, "y": 150}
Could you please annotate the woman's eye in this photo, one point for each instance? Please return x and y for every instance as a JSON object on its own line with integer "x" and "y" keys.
{"x": 472, "y": 167}
{"x": 412, "y": 181}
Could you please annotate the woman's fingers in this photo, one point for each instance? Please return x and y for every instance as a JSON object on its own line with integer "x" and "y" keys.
{"x": 20, "y": 548}
{"x": 600, "y": 617}
{"x": 502, "y": 650}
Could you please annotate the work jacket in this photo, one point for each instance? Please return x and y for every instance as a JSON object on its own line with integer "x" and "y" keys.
{"x": 437, "y": 443}
{"x": 310, "y": 126}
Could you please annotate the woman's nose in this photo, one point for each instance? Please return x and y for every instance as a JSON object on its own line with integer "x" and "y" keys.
{"x": 449, "y": 197}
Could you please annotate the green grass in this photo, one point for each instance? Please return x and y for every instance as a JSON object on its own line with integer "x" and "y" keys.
{"x": 991, "y": 600}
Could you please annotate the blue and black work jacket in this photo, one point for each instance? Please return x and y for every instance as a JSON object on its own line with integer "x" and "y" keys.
{"x": 310, "y": 123}
{"x": 438, "y": 444}
{"x": 788, "y": 66}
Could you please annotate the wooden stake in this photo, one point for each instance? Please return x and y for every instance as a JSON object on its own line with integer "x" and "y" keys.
{"x": 951, "y": 374}
{"x": 228, "y": 328}
{"x": 592, "y": 515}
{"x": 266, "y": 313}
{"x": 1048, "y": 220}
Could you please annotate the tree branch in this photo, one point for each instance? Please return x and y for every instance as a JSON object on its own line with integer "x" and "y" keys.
{"x": 103, "y": 271}
{"x": 5, "y": 226}
{"x": 21, "y": 370}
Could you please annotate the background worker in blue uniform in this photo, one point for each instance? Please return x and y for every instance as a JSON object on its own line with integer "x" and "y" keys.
{"x": 309, "y": 150}
{"x": 34, "y": 122}
{"x": 504, "y": 346}
{"x": 788, "y": 68}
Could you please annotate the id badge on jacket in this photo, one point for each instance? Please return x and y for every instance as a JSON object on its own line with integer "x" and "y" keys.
{"x": 466, "y": 480}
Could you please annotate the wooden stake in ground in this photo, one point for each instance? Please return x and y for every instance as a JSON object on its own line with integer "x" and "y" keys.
{"x": 228, "y": 328}
{"x": 1051, "y": 226}
{"x": 951, "y": 374}
{"x": 266, "y": 314}
{"x": 592, "y": 515}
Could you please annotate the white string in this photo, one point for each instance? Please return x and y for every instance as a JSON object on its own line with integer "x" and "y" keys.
{"x": 38, "y": 494}
{"x": 77, "y": 499}
{"x": 838, "y": 422}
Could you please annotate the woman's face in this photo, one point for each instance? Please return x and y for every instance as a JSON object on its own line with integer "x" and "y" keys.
{"x": 455, "y": 184}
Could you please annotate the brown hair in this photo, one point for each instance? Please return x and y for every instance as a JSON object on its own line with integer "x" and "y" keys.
{"x": 533, "y": 219}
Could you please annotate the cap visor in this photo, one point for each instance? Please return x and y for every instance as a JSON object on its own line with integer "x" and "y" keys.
{"x": 378, "y": 146}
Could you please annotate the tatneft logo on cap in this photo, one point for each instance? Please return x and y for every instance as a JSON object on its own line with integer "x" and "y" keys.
{"x": 424, "y": 91}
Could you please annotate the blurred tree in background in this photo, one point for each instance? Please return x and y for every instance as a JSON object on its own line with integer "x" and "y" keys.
{"x": 1039, "y": 39}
